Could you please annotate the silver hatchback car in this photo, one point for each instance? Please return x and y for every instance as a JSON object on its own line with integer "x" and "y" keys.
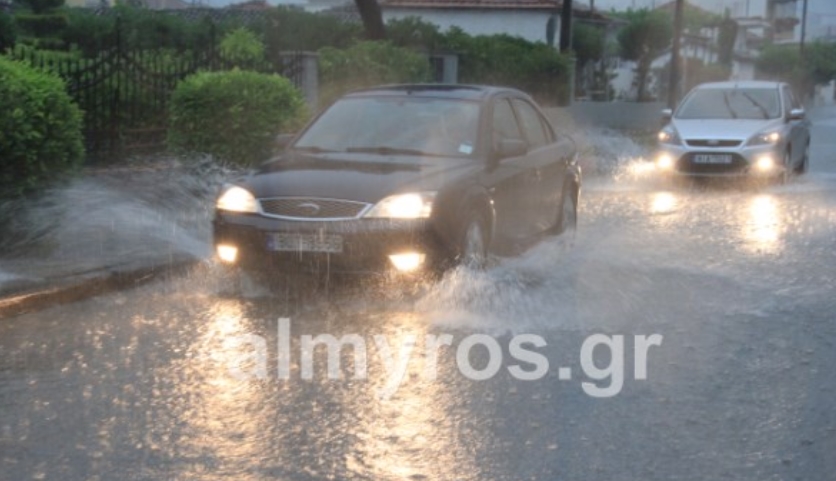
{"x": 753, "y": 128}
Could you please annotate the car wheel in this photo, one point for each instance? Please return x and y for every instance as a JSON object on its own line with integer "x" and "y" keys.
{"x": 786, "y": 172}
{"x": 473, "y": 247}
{"x": 802, "y": 167}
{"x": 567, "y": 217}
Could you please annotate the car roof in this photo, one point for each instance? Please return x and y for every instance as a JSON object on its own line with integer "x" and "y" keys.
{"x": 740, "y": 84}
{"x": 436, "y": 90}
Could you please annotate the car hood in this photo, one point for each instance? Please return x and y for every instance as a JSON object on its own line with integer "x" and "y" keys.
{"x": 723, "y": 129}
{"x": 358, "y": 177}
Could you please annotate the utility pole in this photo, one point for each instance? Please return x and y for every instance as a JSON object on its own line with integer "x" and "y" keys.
{"x": 803, "y": 26}
{"x": 673, "y": 83}
{"x": 566, "y": 26}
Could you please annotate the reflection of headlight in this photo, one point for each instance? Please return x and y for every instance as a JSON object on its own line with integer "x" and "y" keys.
{"x": 668, "y": 135}
{"x": 404, "y": 206}
{"x": 237, "y": 199}
{"x": 765, "y": 138}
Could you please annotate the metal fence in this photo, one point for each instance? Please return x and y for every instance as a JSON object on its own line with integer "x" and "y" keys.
{"x": 125, "y": 93}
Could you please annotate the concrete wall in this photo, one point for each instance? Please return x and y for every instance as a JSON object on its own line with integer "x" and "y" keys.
{"x": 630, "y": 116}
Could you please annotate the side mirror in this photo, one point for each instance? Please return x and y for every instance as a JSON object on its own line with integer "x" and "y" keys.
{"x": 797, "y": 114}
{"x": 282, "y": 141}
{"x": 511, "y": 148}
{"x": 667, "y": 114}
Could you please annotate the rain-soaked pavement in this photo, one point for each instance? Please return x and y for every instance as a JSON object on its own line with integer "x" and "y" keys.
{"x": 735, "y": 285}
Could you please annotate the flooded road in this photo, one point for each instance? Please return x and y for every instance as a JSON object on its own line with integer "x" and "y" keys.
{"x": 737, "y": 286}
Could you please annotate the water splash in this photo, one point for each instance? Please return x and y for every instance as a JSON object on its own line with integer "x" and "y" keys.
{"x": 117, "y": 215}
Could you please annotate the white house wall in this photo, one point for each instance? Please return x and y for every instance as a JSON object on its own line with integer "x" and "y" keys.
{"x": 530, "y": 25}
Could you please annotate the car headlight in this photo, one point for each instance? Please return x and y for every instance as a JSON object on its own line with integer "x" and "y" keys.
{"x": 237, "y": 199}
{"x": 404, "y": 206}
{"x": 765, "y": 138}
{"x": 668, "y": 135}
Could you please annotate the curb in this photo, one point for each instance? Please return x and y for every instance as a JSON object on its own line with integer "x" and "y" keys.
{"x": 49, "y": 293}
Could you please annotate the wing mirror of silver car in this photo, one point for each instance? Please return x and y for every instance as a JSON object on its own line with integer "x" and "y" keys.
{"x": 797, "y": 114}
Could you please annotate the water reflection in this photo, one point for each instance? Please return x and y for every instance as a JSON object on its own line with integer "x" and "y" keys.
{"x": 663, "y": 203}
{"x": 762, "y": 225}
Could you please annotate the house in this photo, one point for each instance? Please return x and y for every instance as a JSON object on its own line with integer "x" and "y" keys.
{"x": 527, "y": 19}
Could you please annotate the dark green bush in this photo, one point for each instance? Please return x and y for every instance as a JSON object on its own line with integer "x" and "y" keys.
{"x": 40, "y": 128}
{"x": 369, "y": 63}
{"x": 8, "y": 31}
{"x": 532, "y": 67}
{"x": 233, "y": 115}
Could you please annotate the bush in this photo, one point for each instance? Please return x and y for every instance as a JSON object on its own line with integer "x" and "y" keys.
{"x": 40, "y": 128}
{"x": 532, "y": 67}
{"x": 233, "y": 115}
{"x": 369, "y": 63}
{"x": 8, "y": 31}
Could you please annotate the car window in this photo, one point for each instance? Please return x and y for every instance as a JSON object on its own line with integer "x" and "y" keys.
{"x": 504, "y": 122}
{"x": 731, "y": 103}
{"x": 532, "y": 124}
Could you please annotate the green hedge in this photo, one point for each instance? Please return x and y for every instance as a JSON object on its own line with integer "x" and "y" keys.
{"x": 40, "y": 128}
{"x": 233, "y": 115}
{"x": 366, "y": 64}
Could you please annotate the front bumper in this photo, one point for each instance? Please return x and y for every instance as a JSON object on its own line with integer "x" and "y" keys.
{"x": 366, "y": 243}
{"x": 746, "y": 161}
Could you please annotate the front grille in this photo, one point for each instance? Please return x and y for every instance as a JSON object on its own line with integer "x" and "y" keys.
{"x": 713, "y": 143}
{"x": 687, "y": 165}
{"x": 312, "y": 208}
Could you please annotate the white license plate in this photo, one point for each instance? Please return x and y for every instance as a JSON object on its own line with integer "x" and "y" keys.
{"x": 305, "y": 243}
{"x": 712, "y": 159}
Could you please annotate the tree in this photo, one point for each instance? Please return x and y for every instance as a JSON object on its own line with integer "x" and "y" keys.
{"x": 644, "y": 38}
{"x": 588, "y": 44}
{"x": 372, "y": 18}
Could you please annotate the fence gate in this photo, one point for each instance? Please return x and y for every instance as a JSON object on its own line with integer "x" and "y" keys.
{"x": 124, "y": 92}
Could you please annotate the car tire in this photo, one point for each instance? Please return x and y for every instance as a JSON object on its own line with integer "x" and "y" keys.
{"x": 473, "y": 243}
{"x": 802, "y": 167}
{"x": 567, "y": 217}
{"x": 786, "y": 173}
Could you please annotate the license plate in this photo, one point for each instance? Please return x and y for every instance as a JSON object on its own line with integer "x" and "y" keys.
{"x": 305, "y": 243}
{"x": 712, "y": 159}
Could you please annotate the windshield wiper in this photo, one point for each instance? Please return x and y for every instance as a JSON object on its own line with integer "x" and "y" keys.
{"x": 757, "y": 104}
{"x": 728, "y": 105}
{"x": 391, "y": 151}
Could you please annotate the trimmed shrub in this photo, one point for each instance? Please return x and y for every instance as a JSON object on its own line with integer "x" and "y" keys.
{"x": 233, "y": 115}
{"x": 40, "y": 128}
{"x": 367, "y": 64}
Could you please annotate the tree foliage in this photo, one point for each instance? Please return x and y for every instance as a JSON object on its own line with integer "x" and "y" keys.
{"x": 647, "y": 35}
{"x": 784, "y": 62}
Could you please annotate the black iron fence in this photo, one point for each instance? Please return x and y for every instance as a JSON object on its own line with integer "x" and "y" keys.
{"x": 124, "y": 92}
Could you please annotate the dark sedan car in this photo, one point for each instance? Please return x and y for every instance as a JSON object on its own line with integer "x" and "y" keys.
{"x": 410, "y": 177}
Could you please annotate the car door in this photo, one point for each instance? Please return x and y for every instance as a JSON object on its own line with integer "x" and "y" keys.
{"x": 549, "y": 159}
{"x": 513, "y": 182}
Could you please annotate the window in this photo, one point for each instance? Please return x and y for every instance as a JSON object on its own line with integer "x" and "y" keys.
{"x": 532, "y": 124}
{"x": 504, "y": 122}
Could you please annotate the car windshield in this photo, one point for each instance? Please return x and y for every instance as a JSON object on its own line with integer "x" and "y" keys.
{"x": 734, "y": 103}
{"x": 392, "y": 125}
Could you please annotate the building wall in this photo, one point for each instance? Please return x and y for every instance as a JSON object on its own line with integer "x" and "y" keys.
{"x": 530, "y": 25}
